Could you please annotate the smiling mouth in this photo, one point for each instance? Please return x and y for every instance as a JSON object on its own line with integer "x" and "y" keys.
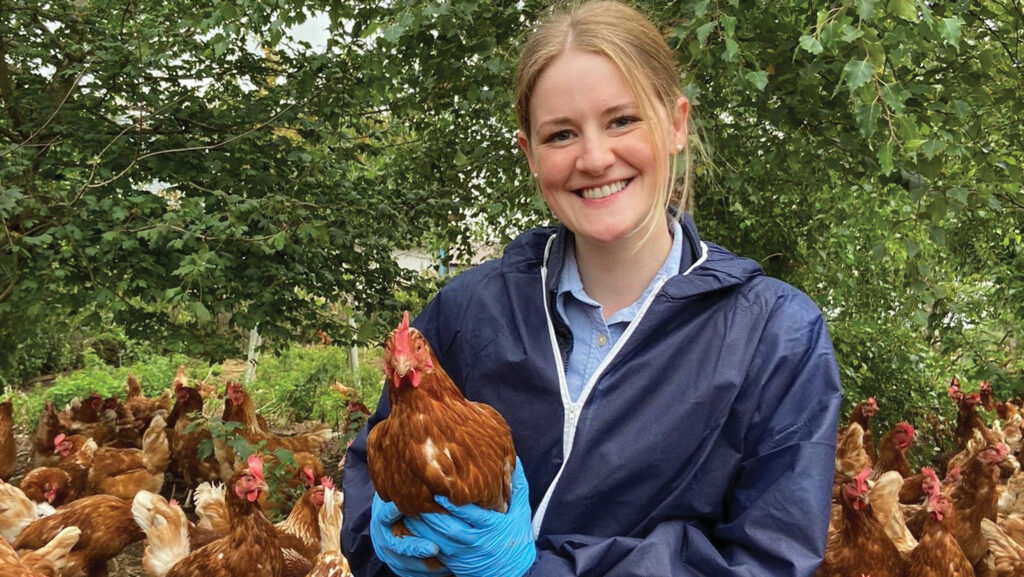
{"x": 603, "y": 191}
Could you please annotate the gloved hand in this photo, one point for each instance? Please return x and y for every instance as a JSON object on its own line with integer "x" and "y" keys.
{"x": 478, "y": 542}
{"x": 404, "y": 555}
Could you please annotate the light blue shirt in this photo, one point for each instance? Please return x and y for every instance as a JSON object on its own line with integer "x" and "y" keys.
{"x": 592, "y": 335}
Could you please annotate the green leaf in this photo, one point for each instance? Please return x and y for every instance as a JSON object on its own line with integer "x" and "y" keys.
{"x": 758, "y": 78}
{"x": 894, "y": 95}
{"x": 920, "y": 318}
{"x": 394, "y": 32}
{"x": 867, "y": 118}
{"x": 732, "y": 50}
{"x": 857, "y": 73}
{"x": 849, "y": 33}
{"x": 885, "y": 157}
{"x": 197, "y": 308}
{"x": 949, "y": 28}
{"x": 704, "y": 31}
{"x": 810, "y": 44}
{"x": 905, "y": 9}
{"x": 866, "y": 9}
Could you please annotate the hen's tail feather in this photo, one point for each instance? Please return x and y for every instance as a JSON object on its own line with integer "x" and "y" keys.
{"x": 156, "y": 449}
{"x": 166, "y": 530}
{"x": 56, "y": 551}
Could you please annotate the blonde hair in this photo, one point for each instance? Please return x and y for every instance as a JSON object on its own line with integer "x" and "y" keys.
{"x": 630, "y": 40}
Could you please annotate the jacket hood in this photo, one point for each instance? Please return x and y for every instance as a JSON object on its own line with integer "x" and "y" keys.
{"x": 704, "y": 266}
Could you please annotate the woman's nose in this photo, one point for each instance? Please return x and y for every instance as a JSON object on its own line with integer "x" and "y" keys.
{"x": 596, "y": 155}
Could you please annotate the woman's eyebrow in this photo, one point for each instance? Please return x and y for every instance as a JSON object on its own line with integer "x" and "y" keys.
{"x": 610, "y": 111}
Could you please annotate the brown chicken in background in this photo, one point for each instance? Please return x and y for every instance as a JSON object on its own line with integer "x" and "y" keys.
{"x": 860, "y": 546}
{"x": 243, "y": 409}
{"x": 18, "y": 512}
{"x": 974, "y": 497}
{"x": 294, "y": 478}
{"x": 1007, "y": 554}
{"x": 233, "y": 409}
{"x": 299, "y": 534}
{"x": 123, "y": 431}
{"x": 143, "y": 409}
{"x": 861, "y": 414}
{"x": 185, "y": 461}
{"x": 47, "y": 429}
{"x": 892, "y": 450}
{"x": 851, "y": 456}
{"x": 89, "y": 418}
{"x": 8, "y": 446}
{"x": 47, "y": 560}
{"x": 330, "y": 562}
{"x": 125, "y": 472}
{"x": 107, "y": 528}
{"x": 435, "y": 441}
{"x": 938, "y": 554}
{"x": 76, "y": 457}
{"x": 884, "y": 499}
{"x": 250, "y": 548}
{"x": 988, "y": 402}
{"x": 48, "y": 485}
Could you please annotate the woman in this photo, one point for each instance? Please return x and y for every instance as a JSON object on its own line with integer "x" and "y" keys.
{"x": 674, "y": 409}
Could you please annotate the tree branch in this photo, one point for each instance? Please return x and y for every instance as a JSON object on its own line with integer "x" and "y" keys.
{"x": 74, "y": 85}
{"x": 6, "y": 92}
{"x": 1011, "y": 200}
{"x": 175, "y": 150}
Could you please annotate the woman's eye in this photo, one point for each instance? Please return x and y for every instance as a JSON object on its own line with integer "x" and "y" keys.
{"x": 623, "y": 121}
{"x": 560, "y": 136}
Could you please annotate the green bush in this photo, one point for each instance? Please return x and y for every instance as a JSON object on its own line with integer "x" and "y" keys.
{"x": 294, "y": 385}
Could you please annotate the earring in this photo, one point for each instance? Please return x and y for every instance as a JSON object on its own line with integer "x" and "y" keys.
{"x": 679, "y": 148}
{"x": 535, "y": 175}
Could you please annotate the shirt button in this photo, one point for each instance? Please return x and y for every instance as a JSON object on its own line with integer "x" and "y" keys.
{"x": 602, "y": 340}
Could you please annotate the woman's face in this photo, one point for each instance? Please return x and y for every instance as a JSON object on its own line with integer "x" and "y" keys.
{"x": 591, "y": 149}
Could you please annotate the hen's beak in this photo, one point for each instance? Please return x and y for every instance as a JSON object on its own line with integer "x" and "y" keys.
{"x": 402, "y": 365}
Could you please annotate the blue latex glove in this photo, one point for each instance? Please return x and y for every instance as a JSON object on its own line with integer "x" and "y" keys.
{"x": 478, "y": 542}
{"x": 404, "y": 555}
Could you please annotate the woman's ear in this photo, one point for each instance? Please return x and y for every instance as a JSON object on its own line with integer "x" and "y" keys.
{"x": 524, "y": 144}
{"x": 681, "y": 121}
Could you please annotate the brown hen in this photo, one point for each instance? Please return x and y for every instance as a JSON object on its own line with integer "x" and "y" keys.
{"x": 107, "y": 528}
{"x": 938, "y": 554}
{"x": 250, "y": 548}
{"x": 435, "y": 441}
{"x": 861, "y": 546}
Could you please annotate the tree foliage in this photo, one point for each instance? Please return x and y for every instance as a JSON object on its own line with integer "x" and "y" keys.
{"x": 184, "y": 169}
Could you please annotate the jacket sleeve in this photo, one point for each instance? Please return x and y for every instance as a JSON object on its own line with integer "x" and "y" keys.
{"x": 358, "y": 491}
{"x": 778, "y": 510}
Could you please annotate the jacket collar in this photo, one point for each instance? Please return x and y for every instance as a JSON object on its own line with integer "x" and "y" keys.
{"x": 703, "y": 266}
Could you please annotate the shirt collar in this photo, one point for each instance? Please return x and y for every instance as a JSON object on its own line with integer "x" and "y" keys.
{"x": 569, "y": 280}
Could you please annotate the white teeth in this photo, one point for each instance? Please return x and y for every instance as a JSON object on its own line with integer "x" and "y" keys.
{"x": 603, "y": 191}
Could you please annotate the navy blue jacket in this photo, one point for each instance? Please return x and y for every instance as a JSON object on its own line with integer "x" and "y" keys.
{"x": 704, "y": 446}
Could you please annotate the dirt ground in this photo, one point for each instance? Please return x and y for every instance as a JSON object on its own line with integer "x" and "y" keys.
{"x": 129, "y": 562}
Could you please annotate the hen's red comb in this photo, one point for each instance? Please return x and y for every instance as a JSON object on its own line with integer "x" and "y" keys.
{"x": 327, "y": 482}
{"x": 256, "y": 466}
{"x": 402, "y": 344}
{"x": 907, "y": 428}
{"x": 59, "y": 439}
